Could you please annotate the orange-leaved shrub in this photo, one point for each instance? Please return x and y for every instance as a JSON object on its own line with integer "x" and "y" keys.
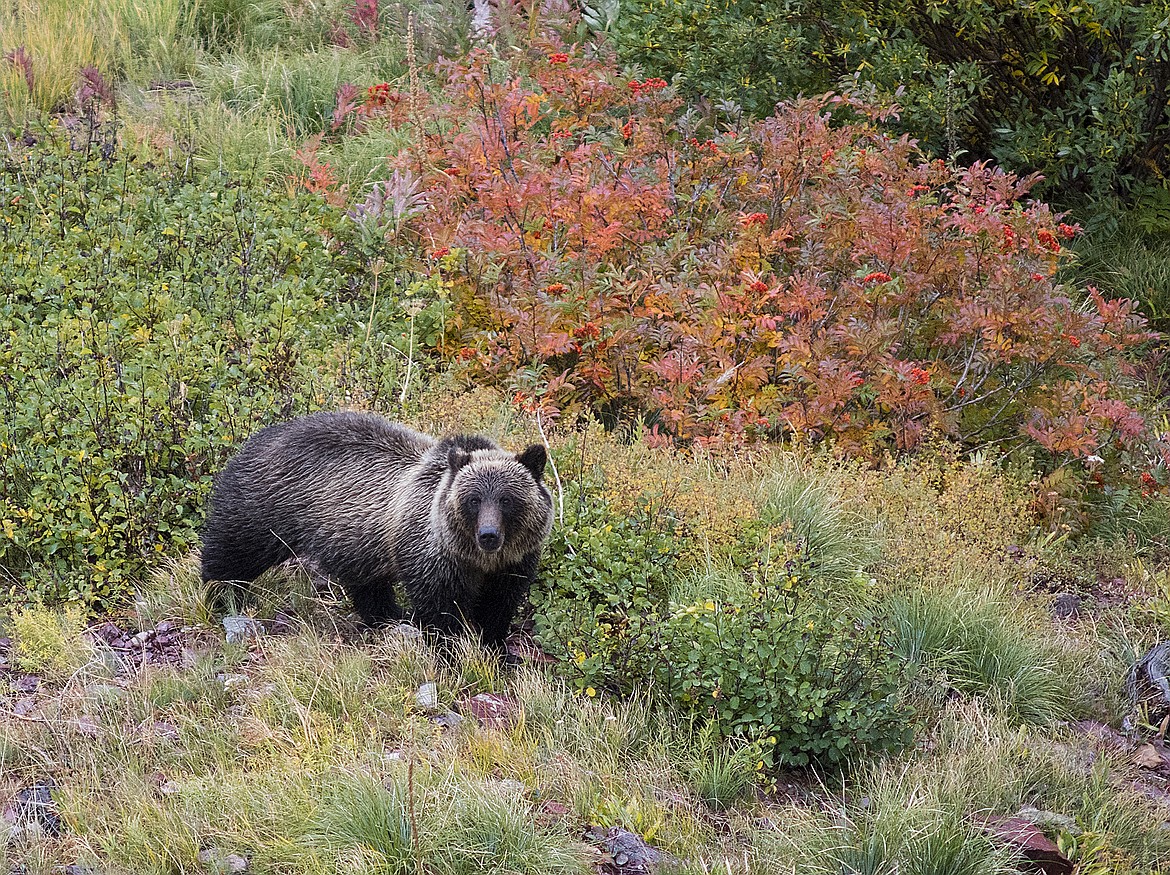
{"x": 806, "y": 274}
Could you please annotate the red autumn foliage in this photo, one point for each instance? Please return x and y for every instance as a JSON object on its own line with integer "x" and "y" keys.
{"x": 797, "y": 275}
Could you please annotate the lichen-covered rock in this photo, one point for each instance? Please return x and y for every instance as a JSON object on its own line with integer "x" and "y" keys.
{"x": 1148, "y": 683}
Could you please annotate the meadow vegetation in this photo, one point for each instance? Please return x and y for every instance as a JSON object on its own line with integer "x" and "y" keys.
{"x": 860, "y": 488}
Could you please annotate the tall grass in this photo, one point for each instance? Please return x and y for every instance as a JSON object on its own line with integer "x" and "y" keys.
{"x": 978, "y": 642}
{"x": 60, "y": 37}
{"x": 299, "y": 88}
{"x": 836, "y": 540}
{"x": 1128, "y": 265}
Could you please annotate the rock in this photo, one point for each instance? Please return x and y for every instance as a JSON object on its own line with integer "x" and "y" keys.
{"x": 33, "y": 809}
{"x": 162, "y": 644}
{"x": 405, "y": 630}
{"x": 88, "y": 727}
{"x": 26, "y": 683}
{"x": 154, "y": 730}
{"x": 555, "y": 809}
{"x": 1148, "y": 683}
{"x": 427, "y": 696}
{"x": 1066, "y": 606}
{"x": 1037, "y": 852}
{"x": 281, "y": 624}
{"x": 625, "y": 853}
{"x": 240, "y": 629}
{"x": 493, "y": 710}
{"x": 448, "y": 720}
{"x": 1151, "y": 756}
{"x": 217, "y": 860}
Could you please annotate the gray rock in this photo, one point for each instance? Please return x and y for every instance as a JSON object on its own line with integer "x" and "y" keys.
{"x": 405, "y": 630}
{"x": 427, "y": 696}
{"x": 33, "y": 810}
{"x": 1148, "y": 682}
{"x": 219, "y": 861}
{"x": 1066, "y": 606}
{"x": 626, "y": 853}
{"x": 448, "y": 720}
{"x": 239, "y": 629}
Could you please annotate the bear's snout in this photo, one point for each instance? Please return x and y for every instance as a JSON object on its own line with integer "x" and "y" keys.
{"x": 488, "y": 533}
{"x": 489, "y": 538}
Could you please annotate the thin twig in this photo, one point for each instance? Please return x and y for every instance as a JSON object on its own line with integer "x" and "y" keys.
{"x": 556, "y": 474}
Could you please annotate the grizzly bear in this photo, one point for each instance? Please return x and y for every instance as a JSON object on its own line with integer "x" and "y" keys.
{"x": 457, "y": 523}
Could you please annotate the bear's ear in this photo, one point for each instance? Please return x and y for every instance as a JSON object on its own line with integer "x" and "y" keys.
{"x": 534, "y": 459}
{"x": 457, "y": 457}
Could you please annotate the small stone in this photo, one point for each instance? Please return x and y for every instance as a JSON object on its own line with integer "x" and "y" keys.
{"x": 427, "y": 695}
{"x": 219, "y": 861}
{"x": 27, "y": 683}
{"x": 158, "y": 729}
{"x": 626, "y": 853}
{"x": 88, "y": 727}
{"x": 231, "y": 681}
{"x": 448, "y": 720}
{"x": 282, "y": 624}
{"x": 1148, "y": 682}
{"x": 34, "y": 810}
{"x": 1066, "y": 606}
{"x": 555, "y": 809}
{"x": 239, "y": 629}
{"x": 493, "y": 710}
{"x": 405, "y": 630}
{"x": 1040, "y": 852}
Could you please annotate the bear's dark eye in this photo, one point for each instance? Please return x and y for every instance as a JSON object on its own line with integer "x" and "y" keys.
{"x": 473, "y": 504}
{"x": 505, "y": 502}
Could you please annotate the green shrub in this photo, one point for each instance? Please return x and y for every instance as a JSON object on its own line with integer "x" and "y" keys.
{"x": 50, "y": 642}
{"x": 785, "y": 659}
{"x": 606, "y": 581}
{"x": 1076, "y": 92}
{"x": 791, "y": 666}
{"x": 153, "y": 318}
{"x": 754, "y": 52}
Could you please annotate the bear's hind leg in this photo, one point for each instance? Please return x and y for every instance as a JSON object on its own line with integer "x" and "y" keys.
{"x": 227, "y": 572}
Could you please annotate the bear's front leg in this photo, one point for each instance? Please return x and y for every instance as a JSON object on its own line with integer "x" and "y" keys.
{"x": 499, "y": 597}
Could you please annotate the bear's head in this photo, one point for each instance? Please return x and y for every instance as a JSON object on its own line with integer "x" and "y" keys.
{"x": 497, "y": 506}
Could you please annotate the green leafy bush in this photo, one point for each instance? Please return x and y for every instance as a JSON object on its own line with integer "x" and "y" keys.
{"x": 1075, "y": 91}
{"x": 150, "y": 320}
{"x": 778, "y": 661}
{"x": 607, "y": 579}
{"x": 789, "y": 666}
{"x": 755, "y": 52}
